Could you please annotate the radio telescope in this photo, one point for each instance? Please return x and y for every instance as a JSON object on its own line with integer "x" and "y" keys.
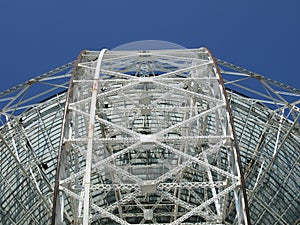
{"x": 147, "y": 136}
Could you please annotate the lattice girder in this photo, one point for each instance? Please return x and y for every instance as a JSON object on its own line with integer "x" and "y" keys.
{"x": 148, "y": 138}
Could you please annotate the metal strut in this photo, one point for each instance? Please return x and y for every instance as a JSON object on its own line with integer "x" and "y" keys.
{"x": 88, "y": 166}
{"x": 149, "y": 141}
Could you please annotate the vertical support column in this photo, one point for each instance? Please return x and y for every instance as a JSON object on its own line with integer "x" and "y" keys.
{"x": 88, "y": 167}
{"x": 243, "y": 216}
{"x": 57, "y": 208}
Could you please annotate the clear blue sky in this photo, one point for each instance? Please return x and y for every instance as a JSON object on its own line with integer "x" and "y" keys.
{"x": 37, "y": 36}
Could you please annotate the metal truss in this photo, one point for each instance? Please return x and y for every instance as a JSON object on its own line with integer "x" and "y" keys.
{"x": 148, "y": 138}
{"x": 163, "y": 149}
{"x": 29, "y": 94}
{"x": 271, "y": 155}
{"x": 27, "y": 148}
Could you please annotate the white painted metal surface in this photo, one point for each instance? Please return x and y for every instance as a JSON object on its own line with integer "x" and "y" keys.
{"x": 159, "y": 141}
{"x": 157, "y": 146}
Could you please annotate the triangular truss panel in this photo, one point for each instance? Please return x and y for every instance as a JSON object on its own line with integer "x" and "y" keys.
{"x": 148, "y": 138}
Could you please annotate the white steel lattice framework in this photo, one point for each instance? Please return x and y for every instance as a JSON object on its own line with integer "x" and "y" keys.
{"x": 265, "y": 117}
{"x": 148, "y": 139}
